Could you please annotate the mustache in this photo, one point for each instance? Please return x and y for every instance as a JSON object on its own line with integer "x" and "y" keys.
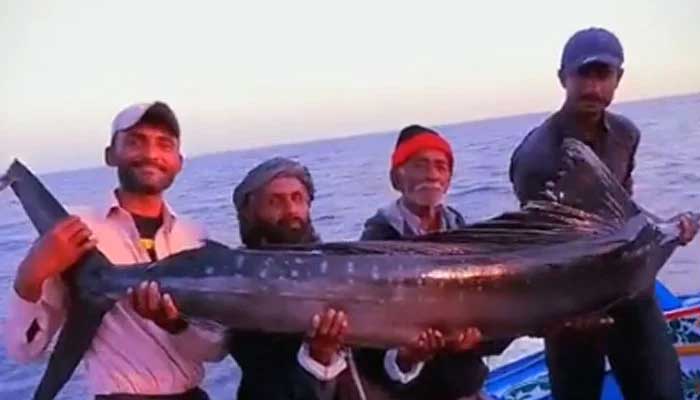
{"x": 429, "y": 186}
{"x": 147, "y": 163}
{"x": 591, "y": 98}
{"x": 289, "y": 221}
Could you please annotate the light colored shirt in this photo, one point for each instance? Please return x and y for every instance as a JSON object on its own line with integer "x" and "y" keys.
{"x": 412, "y": 225}
{"x": 128, "y": 354}
{"x": 395, "y": 373}
{"x": 339, "y": 362}
{"x": 319, "y": 371}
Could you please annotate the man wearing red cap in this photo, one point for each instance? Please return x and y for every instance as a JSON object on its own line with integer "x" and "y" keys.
{"x": 421, "y": 169}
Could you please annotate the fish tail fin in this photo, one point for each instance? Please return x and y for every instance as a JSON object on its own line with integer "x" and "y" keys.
{"x": 87, "y": 305}
{"x": 5, "y": 181}
{"x": 84, "y": 316}
{"x": 42, "y": 208}
{"x": 585, "y": 183}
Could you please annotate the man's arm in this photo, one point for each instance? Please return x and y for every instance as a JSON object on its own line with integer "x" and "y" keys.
{"x": 628, "y": 183}
{"x": 376, "y": 229}
{"x": 321, "y": 354}
{"x": 439, "y": 368}
{"x": 38, "y": 300}
{"x": 521, "y": 178}
{"x": 31, "y": 325}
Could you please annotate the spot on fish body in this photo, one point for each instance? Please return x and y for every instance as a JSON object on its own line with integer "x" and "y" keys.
{"x": 324, "y": 267}
{"x": 375, "y": 273}
{"x": 209, "y": 270}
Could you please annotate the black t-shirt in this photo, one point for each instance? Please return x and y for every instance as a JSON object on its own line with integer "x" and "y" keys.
{"x": 147, "y": 228}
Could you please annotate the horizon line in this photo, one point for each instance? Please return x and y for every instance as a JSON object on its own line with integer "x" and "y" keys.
{"x": 441, "y": 125}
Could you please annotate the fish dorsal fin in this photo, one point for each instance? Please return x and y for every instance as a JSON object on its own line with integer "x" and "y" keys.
{"x": 585, "y": 183}
{"x": 585, "y": 199}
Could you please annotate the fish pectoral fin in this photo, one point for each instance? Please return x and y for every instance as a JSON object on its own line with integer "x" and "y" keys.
{"x": 75, "y": 338}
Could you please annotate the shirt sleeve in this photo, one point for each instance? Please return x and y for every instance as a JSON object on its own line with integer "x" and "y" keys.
{"x": 31, "y": 326}
{"x": 197, "y": 343}
{"x": 628, "y": 183}
{"x": 319, "y": 371}
{"x": 392, "y": 369}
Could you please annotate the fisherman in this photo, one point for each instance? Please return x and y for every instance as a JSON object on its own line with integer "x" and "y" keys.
{"x": 422, "y": 165}
{"x": 142, "y": 348}
{"x": 273, "y": 204}
{"x": 634, "y": 335}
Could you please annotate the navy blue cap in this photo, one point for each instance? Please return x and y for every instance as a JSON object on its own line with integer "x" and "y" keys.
{"x": 592, "y": 45}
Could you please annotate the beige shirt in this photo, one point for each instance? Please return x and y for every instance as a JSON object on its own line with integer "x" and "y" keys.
{"x": 128, "y": 354}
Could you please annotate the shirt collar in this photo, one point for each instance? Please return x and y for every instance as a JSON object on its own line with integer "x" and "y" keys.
{"x": 568, "y": 128}
{"x": 114, "y": 210}
{"x": 413, "y": 221}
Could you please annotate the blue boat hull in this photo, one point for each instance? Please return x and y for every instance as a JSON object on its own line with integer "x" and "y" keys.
{"x": 526, "y": 378}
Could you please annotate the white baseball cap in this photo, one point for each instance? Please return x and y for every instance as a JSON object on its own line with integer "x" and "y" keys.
{"x": 156, "y": 112}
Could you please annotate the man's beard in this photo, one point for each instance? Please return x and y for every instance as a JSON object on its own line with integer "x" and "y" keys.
{"x": 131, "y": 182}
{"x": 258, "y": 233}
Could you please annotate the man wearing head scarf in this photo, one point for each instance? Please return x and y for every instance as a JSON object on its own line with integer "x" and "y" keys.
{"x": 273, "y": 203}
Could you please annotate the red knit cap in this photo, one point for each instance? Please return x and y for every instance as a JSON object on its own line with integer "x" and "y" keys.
{"x": 416, "y": 138}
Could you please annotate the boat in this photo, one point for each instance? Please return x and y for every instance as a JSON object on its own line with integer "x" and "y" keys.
{"x": 526, "y": 377}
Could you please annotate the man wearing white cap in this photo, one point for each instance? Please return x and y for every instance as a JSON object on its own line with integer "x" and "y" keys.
{"x": 142, "y": 349}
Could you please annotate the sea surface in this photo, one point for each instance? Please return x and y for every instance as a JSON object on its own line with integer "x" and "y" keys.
{"x": 351, "y": 176}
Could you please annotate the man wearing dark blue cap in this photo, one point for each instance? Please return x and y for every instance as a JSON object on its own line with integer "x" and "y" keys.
{"x": 633, "y": 335}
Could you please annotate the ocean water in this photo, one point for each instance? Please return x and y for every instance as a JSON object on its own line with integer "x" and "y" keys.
{"x": 351, "y": 175}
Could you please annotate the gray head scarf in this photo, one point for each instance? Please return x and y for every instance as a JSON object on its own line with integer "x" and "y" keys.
{"x": 267, "y": 171}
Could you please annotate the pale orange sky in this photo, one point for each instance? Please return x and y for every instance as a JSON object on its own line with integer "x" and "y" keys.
{"x": 241, "y": 74}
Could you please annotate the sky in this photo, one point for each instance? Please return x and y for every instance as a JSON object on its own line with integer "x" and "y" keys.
{"x": 255, "y": 73}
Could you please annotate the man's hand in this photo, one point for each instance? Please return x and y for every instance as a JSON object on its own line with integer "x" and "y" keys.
{"x": 688, "y": 227}
{"x": 150, "y": 304}
{"x": 55, "y": 251}
{"x": 431, "y": 342}
{"x": 423, "y": 348}
{"x": 326, "y": 338}
{"x": 466, "y": 340}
